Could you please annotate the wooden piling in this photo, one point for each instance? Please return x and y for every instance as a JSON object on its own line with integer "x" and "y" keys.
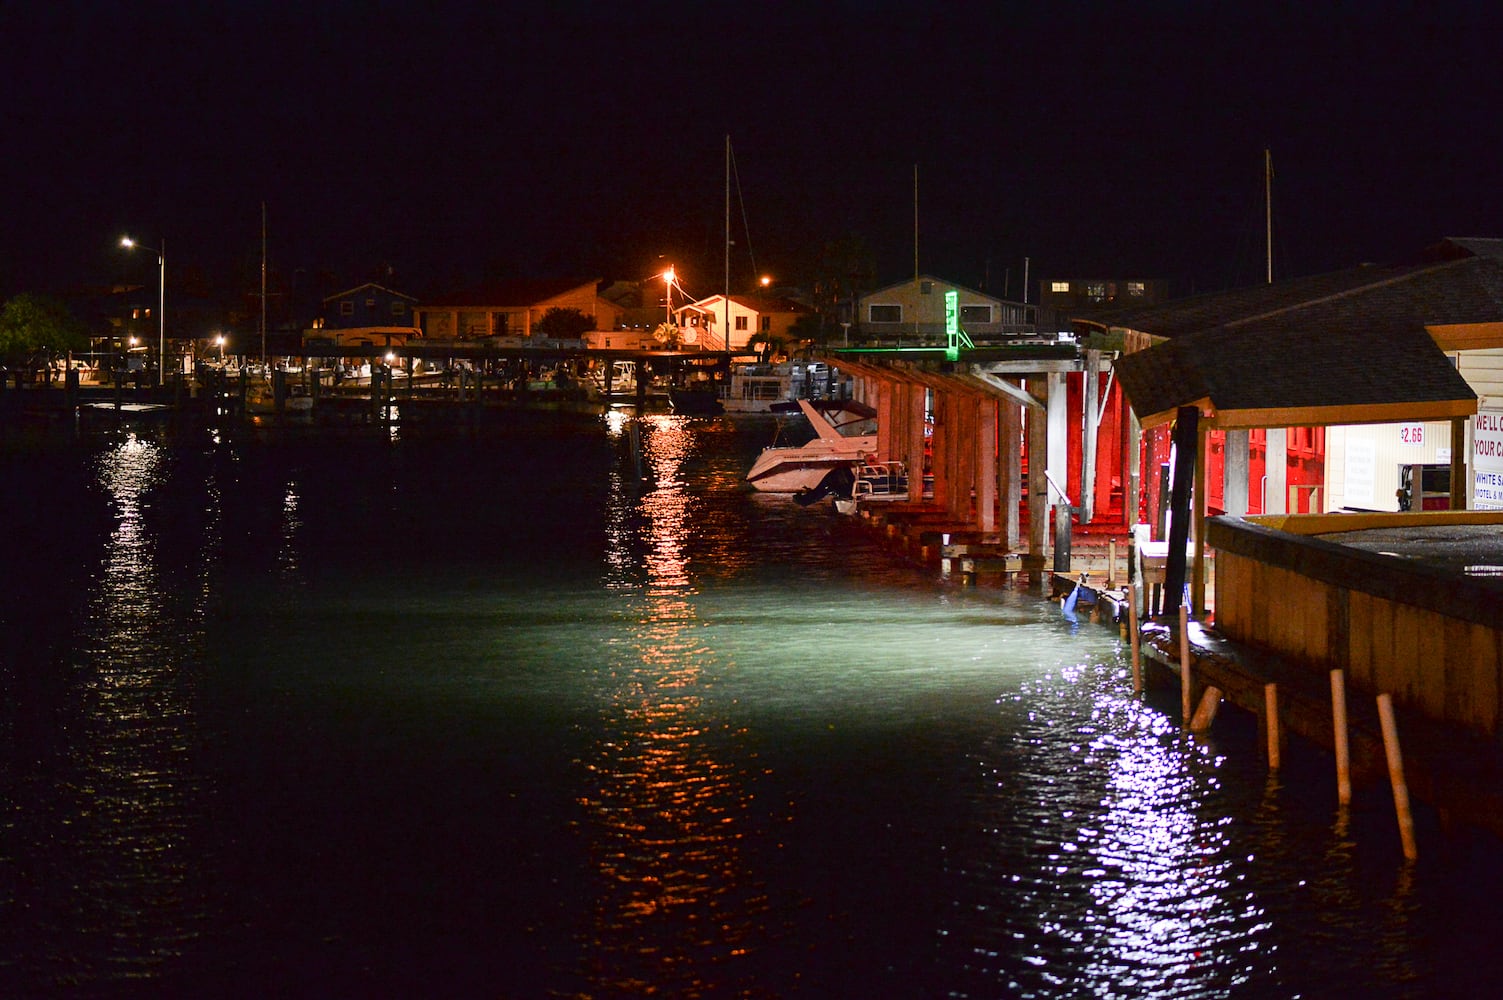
{"x": 1396, "y": 776}
{"x": 1184, "y": 663}
{"x": 1111, "y": 563}
{"x": 1339, "y": 738}
{"x": 1136, "y": 633}
{"x": 1205, "y": 712}
{"x": 1271, "y": 710}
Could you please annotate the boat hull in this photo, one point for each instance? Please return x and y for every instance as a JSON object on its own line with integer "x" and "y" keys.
{"x": 788, "y": 470}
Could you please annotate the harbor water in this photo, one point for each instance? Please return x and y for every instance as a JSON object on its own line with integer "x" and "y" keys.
{"x": 560, "y": 708}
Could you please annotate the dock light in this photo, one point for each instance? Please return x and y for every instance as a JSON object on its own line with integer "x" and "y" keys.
{"x": 219, "y": 342}
{"x": 766, "y": 280}
{"x": 390, "y": 357}
{"x": 161, "y": 253}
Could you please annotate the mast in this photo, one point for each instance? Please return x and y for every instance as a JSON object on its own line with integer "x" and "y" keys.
{"x": 263, "y": 282}
{"x": 1268, "y": 208}
{"x": 727, "y": 330}
{"x": 915, "y": 225}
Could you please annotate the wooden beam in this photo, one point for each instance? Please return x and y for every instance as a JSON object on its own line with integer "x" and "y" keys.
{"x": 1004, "y": 388}
{"x": 1186, "y": 438}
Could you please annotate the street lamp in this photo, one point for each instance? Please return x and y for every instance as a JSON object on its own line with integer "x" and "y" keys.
{"x": 219, "y": 341}
{"x": 669, "y": 277}
{"x": 131, "y": 244}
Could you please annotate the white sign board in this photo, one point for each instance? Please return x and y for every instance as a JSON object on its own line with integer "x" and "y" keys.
{"x": 1487, "y": 456}
{"x": 1361, "y": 465}
{"x": 1412, "y": 435}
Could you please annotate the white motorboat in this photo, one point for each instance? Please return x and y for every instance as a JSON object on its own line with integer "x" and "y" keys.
{"x": 845, "y": 435}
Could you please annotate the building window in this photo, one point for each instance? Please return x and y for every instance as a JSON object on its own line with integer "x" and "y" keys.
{"x": 1059, "y": 286}
{"x": 399, "y": 308}
{"x": 884, "y": 314}
{"x": 975, "y": 314}
{"x": 346, "y": 308}
{"x": 926, "y": 288}
{"x": 1096, "y": 292}
{"x": 1135, "y": 289}
{"x": 766, "y": 324}
{"x": 741, "y": 322}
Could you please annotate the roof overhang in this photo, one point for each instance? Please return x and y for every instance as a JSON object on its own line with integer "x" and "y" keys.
{"x": 1467, "y": 336}
{"x": 1317, "y": 416}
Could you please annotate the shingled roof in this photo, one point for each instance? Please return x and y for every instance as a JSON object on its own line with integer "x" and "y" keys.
{"x": 1348, "y": 347}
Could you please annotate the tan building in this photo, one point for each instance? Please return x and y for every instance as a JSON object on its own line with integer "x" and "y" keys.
{"x": 510, "y": 308}
{"x": 915, "y": 310}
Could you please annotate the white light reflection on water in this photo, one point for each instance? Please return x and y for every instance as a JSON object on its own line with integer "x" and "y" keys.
{"x": 126, "y": 898}
{"x": 662, "y": 807}
{"x": 1138, "y": 896}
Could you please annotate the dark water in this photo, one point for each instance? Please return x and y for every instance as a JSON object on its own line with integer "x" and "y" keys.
{"x": 349, "y": 714}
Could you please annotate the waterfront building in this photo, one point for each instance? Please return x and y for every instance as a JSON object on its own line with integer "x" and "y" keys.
{"x": 913, "y": 311}
{"x": 510, "y": 309}
{"x": 1319, "y": 349}
{"x": 754, "y": 320}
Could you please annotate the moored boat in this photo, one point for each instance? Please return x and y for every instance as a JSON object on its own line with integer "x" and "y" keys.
{"x": 845, "y": 434}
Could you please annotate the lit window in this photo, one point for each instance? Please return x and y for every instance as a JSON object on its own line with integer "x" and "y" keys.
{"x": 885, "y": 314}
{"x": 1135, "y": 288}
{"x": 976, "y": 314}
{"x": 1060, "y": 286}
{"x": 1096, "y": 292}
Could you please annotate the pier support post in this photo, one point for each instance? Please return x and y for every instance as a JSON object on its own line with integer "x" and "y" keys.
{"x": 1396, "y": 776}
{"x": 1137, "y": 638}
{"x": 1339, "y": 738}
{"x": 1271, "y": 727}
{"x": 1205, "y": 712}
{"x": 1184, "y": 663}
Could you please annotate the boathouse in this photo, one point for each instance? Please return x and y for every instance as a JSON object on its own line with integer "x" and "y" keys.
{"x": 1368, "y": 351}
{"x": 1014, "y": 434}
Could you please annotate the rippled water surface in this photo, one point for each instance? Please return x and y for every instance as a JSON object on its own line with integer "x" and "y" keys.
{"x": 561, "y": 709}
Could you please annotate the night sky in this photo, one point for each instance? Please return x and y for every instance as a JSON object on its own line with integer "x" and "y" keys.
{"x": 450, "y": 143}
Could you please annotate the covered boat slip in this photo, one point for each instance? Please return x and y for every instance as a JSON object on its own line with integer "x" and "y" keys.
{"x": 971, "y": 426}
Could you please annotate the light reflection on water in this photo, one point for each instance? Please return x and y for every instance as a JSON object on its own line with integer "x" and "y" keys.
{"x": 663, "y": 807}
{"x": 697, "y": 741}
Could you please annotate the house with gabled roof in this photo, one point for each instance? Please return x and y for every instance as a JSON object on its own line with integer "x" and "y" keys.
{"x": 913, "y": 310}
{"x": 701, "y": 323}
{"x": 367, "y": 305}
{"x": 510, "y": 308}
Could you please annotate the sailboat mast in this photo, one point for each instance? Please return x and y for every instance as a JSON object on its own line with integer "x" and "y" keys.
{"x": 728, "y": 255}
{"x": 263, "y": 282}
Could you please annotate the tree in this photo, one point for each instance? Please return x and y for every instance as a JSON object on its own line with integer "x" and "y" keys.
{"x": 808, "y": 330}
{"x": 847, "y": 270}
{"x": 35, "y": 324}
{"x": 563, "y": 324}
{"x": 769, "y": 345}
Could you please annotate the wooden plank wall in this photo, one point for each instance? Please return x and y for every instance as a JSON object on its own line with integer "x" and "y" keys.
{"x": 1296, "y": 599}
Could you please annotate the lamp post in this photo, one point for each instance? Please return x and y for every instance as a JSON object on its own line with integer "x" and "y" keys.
{"x": 669, "y": 277}
{"x": 161, "y": 253}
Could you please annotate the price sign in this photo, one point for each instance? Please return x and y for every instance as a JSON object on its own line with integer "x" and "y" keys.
{"x": 1412, "y": 434}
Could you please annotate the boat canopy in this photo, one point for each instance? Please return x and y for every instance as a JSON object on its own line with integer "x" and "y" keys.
{"x": 856, "y": 409}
